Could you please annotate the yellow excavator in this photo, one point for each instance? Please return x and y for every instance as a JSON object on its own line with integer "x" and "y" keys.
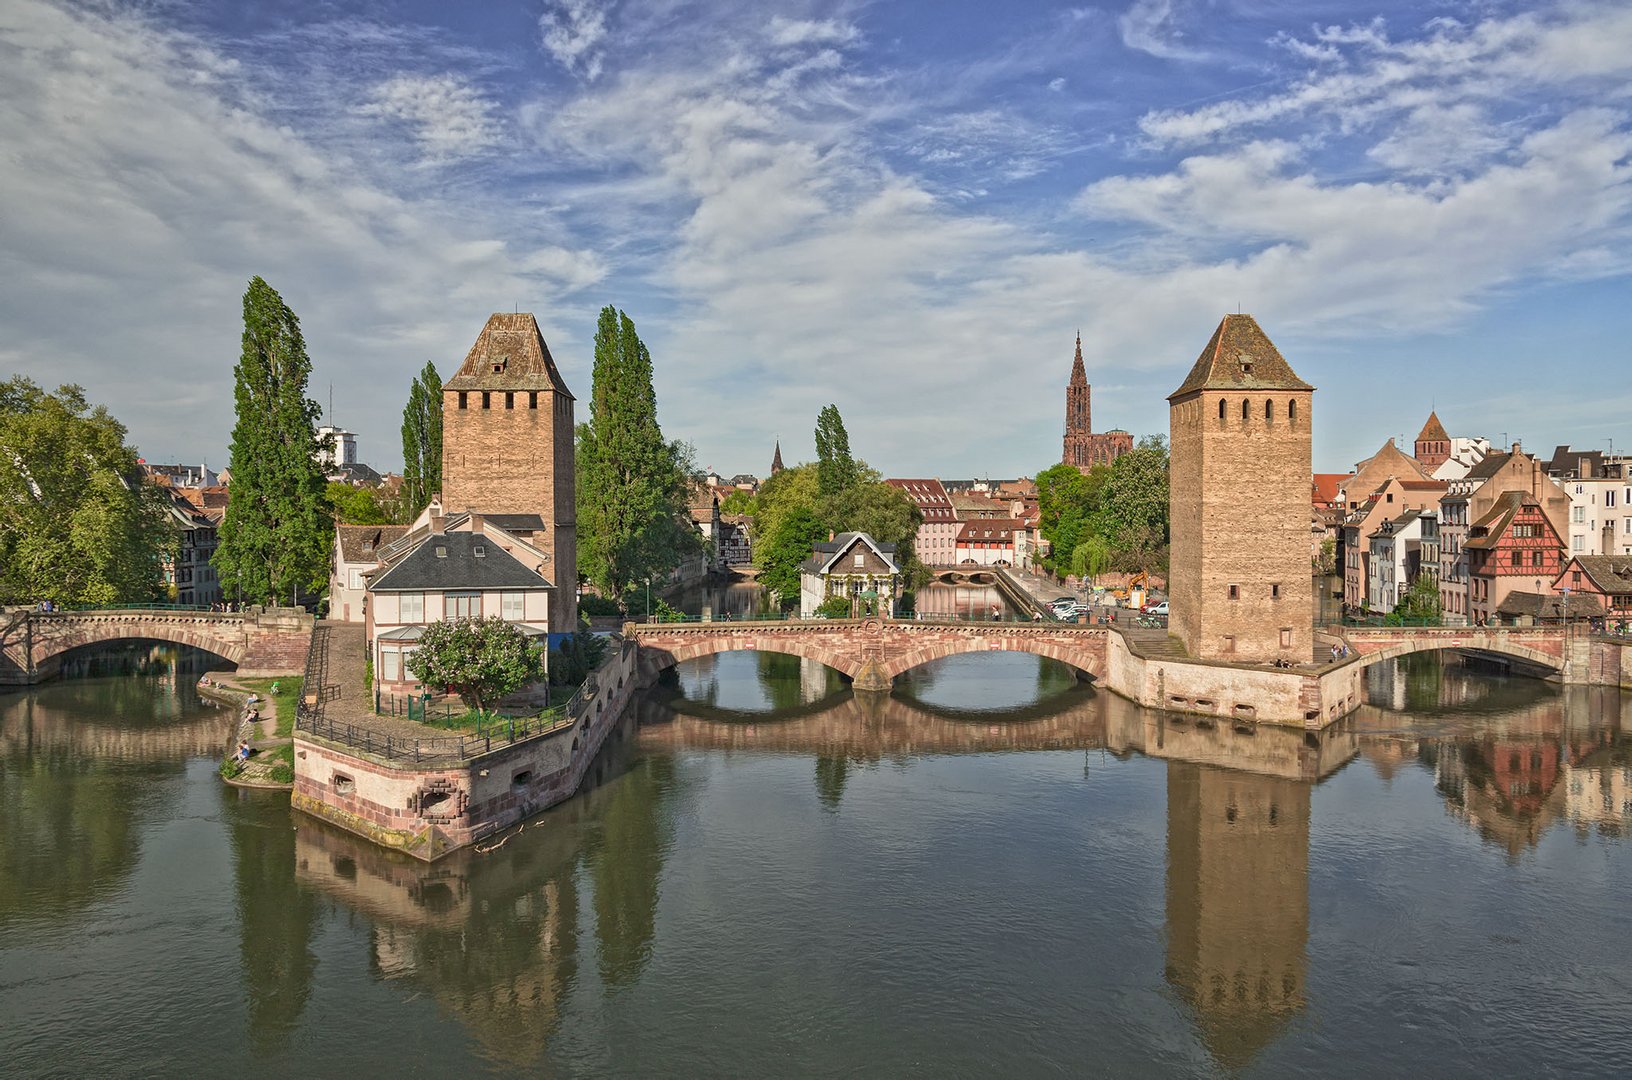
{"x": 1133, "y": 597}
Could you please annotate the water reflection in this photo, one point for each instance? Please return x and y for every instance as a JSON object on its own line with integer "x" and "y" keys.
{"x": 83, "y": 766}
{"x": 494, "y": 936}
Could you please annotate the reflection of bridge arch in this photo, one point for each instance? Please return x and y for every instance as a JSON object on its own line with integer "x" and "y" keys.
{"x": 969, "y": 576}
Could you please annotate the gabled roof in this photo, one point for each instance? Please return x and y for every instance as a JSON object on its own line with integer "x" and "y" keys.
{"x": 1327, "y": 486}
{"x": 1576, "y": 464}
{"x": 1240, "y": 356}
{"x": 514, "y": 523}
{"x": 509, "y": 354}
{"x": 1550, "y": 606}
{"x": 362, "y": 543}
{"x": 1501, "y": 515}
{"x": 827, "y": 552}
{"x": 450, "y": 561}
{"x": 1490, "y": 466}
{"x": 1390, "y": 460}
{"x": 989, "y": 529}
{"x": 1433, "y": 430}
{"x": 1611, "y": 574}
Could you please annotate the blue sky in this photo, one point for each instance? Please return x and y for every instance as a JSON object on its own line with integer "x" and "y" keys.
{"x": 904, "y": 209}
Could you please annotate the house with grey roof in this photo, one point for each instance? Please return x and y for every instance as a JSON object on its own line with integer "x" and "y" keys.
{"x": 442, "y": 575}
{"x": 852, "y": 566}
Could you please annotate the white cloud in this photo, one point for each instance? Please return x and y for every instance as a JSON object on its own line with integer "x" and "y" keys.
{"x": 449, "y": 118}
{"x": 1151, "y": 27}
{"x": 572, "y": 32}
{"x": 1365, "y": 76}
{"x": 788, "y": 33}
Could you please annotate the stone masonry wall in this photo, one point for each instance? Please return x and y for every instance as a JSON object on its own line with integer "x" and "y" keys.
{"x": 1240, "y": 506}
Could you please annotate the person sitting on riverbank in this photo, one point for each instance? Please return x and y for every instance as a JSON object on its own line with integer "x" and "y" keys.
{"x": 243, "y": 752}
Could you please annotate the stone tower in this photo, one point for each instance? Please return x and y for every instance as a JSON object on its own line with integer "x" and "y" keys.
{"x": 1239, "y": 502}
{"x": 1433, "y": 444}
{"x": 507, "y": 446}
{"x": 1083, "y": 448}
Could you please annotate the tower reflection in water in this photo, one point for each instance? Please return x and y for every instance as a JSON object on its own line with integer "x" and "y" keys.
{"x": 495, "y": 938}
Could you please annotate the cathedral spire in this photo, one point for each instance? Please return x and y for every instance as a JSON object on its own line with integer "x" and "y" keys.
{"x": 776, "y": 460}
{"x": 1079, "y": 374}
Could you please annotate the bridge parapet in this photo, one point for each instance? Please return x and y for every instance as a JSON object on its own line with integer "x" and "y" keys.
{"x": 1542, "y": 645}
{"x": 262, "y": 641}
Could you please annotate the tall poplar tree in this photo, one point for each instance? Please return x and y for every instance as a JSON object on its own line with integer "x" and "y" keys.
{"x": 275, "y": 537}
{"x": 422, "y": 443}
{"x": 835, "y": 468}
{"x": 632, "y": 519}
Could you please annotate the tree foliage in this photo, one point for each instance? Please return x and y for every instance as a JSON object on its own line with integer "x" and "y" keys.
{"x": 788, "y": 546}
{"x": 79, "y": 524}
{"x": 1421, "y": 600}
{"x": 350, "y": 505}
{"x": 1119, "y": 511}
{"x": 632, "y": 485}
{"x": 835, "y": 468}
{"x": 421, "y": 443}
{"x": 482, "y": 660}
{"x": 738, "y": 501}
{"x": 276, "y": 533}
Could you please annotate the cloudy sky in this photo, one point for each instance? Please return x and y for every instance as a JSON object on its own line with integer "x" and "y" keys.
{"x": 907, "y": 209}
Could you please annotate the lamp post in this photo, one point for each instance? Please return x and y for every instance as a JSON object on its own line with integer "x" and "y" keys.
{"x": 648, "y": 598}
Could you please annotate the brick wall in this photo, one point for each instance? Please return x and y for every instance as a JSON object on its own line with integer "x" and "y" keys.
{"x": 518, "y": 460}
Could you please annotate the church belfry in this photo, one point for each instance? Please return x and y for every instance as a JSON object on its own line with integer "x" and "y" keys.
{"x": 1083, "y": 448}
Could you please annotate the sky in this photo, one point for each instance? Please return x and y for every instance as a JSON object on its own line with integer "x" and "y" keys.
{"x": 908, "y": 210}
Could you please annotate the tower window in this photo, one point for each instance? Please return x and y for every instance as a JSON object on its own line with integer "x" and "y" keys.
{"x": 1291, "y": 410}
{"x": 1243, "y": 408}
{"x": 462, "y": 403}
{"x": 532, "y": 399}
{"x": 487, "y": 400}
{"x": 1267, "y": 406}
{"x": 509, "y": 400}
{"x": 1275, "y": 591}
{"x": 1221, "y": 408}
{"x": 1235, "y": 592}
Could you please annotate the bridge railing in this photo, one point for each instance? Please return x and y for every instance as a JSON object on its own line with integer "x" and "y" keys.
{"x": 918, "y": 617}
{"x": 448, "y": 748}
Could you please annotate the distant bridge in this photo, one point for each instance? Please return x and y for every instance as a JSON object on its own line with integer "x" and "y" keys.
{"x": 871, "y": 652}
{"x": 271, "y": 642}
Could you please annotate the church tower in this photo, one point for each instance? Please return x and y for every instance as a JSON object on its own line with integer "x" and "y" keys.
{"x": 507, "y": 446}
{"x": 1078, "y": 413}
{"x": 776, "y": 459}
{"x": 1239, "y": 576}
{"x": 1433, "y": 444}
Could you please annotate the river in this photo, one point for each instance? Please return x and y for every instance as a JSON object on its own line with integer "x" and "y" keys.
{"x": 993, "y": 871}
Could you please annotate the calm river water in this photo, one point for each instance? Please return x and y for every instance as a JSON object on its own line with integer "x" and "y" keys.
{"x": 993, "y": 872}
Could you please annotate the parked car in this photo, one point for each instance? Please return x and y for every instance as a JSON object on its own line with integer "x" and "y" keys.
{"x": 1156, "y": 609}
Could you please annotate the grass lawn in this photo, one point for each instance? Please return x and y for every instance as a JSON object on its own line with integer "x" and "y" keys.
{"x": 283, "y": 702}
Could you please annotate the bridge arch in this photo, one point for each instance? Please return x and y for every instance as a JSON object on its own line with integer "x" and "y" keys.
{"x": 1078, "y": 659}
{"x": 54, "y": 640}
{"x": 1485, "y": 644}
{"x": 662, "y": 657}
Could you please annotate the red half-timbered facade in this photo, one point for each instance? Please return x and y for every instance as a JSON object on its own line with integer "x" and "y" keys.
{"x": 1513, "y": 548}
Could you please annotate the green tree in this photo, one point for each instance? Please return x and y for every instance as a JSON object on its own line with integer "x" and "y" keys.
{"x": 738, "y": 501}
{"x": 632, "y": 485}
{"x": 835, "y": 468}
{"x": 1133, "y": 508}
{"x": 1067, "y": 501}
{"x": 79, "y": 524}
{"x": 1421, "y": 600}
{"x": 277, "y": 530}
{"x": 1091, "y": 558}
{"x": 421, "y": 443}
{"x": 780, "y": 556}
{"x": 355, "y": 505}
{"x": 481, "y": 659}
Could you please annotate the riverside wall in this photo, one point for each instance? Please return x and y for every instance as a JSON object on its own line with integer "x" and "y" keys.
{"x": 429, "y": 809}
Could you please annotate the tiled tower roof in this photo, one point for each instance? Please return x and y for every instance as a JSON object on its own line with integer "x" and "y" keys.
{"x": 1240, "y": 356}
{"x": 509, "y": 354}
{"x": 1433, "y": 430}
{"x": 1079, "y": 374}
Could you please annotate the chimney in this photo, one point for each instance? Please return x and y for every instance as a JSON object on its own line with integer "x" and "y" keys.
{"x": 476, "y": 523}
{"x": 438, "y": 522}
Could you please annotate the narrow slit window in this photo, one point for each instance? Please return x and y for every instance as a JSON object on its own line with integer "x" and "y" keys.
{"x": 1235, "y": 594}
{"x": 1221, "y": 404}
{"x": 487, "y": 400}
{"x": 463, "y": 403}
{"x": 509, "y": 400}
{"x": 532, "y": 399}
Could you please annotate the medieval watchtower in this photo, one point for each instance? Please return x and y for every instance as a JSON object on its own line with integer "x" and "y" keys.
{"x": 507, "y": 446}
{"x": 1239, "y": 502}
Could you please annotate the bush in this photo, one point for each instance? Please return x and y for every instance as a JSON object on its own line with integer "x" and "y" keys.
{"x": 834, "y": 607}
{"x": 590, "y": 604}
{"x": 578, "y": 655}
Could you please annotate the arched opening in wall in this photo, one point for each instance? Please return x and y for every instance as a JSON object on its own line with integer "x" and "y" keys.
{"x": 520, "y": 782}
{"x": 1246, "y": 411}
{"x": 1221, "y": 404}
{"x": 343, "y": 784}
{"x": 435, "y": 803}
{"x": 995, "y": 684}
{"x": 753, "y": 683}
{"x": 1269, "y": 409}
{"x": 1291, "y": 410}
{"x": 140, "y": 656}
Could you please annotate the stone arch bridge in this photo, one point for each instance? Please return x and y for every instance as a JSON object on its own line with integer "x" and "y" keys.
{"x": 871, "y": 652}
{"x": 1537, "y": 646}
{"x": 259, "y": 642}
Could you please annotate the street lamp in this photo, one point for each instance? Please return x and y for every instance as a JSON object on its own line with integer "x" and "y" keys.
{"x": 648, "y": 598}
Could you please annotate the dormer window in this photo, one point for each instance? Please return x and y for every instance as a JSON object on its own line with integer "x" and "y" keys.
{"x": 1246, "y": 367}
{"x": 479, "y": 551}
{"x": 441, "y": 552}
{"x": 499, "y": 365}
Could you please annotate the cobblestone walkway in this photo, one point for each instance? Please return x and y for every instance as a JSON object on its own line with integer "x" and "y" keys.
{"x": 347, "y": 699}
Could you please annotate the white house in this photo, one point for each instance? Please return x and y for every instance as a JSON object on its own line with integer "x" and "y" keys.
{"x": 853, "y": 566}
